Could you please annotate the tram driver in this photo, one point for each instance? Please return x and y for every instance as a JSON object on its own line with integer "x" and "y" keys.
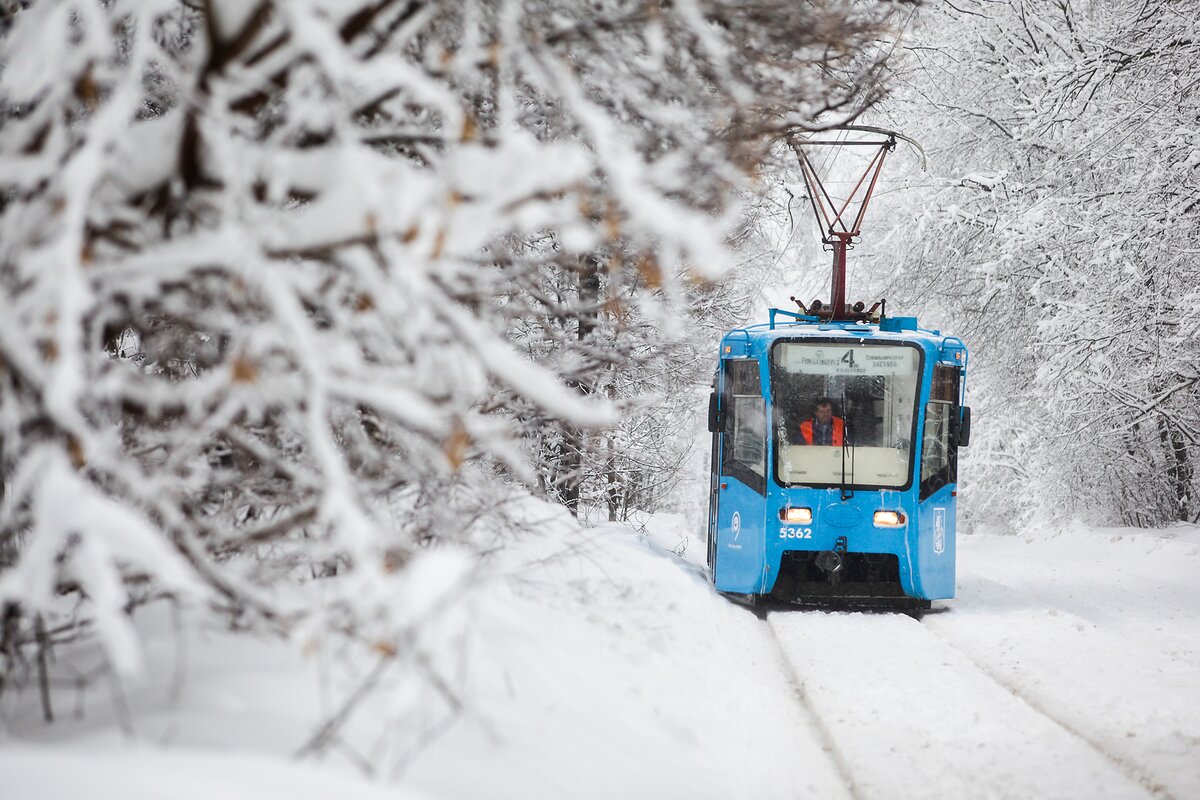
{"x": 823, "y": 428}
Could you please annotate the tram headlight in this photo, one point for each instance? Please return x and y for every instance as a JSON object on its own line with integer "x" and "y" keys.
{"x": 889, "y": 519}
{"x": 796, "y": 516}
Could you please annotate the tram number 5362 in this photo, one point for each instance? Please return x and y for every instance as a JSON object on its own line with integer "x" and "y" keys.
{"x": 795, "y": 533}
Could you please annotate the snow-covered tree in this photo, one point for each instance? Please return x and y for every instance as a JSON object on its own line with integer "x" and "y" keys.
{"x": 1056, "y": 231}
{"x": 286, "y": 285}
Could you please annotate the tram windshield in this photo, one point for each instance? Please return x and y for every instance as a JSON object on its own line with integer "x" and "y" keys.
{"x": 843, "y": 413}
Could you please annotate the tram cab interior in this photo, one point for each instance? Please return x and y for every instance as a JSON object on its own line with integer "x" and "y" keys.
{"x": 875, "y": 402}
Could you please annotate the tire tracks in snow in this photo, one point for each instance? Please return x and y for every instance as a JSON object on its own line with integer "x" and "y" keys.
{"x": 1132, "y": 770}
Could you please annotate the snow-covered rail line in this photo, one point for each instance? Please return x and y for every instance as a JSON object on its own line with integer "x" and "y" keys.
{"x": 910, "y": 715}
{"x": 1100, "y": 633}
{"x": 1130, "y": 767}
{"x": 825, "y": 735}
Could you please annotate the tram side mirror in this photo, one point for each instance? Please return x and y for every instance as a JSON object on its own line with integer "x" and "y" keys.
{"x": 964, "y": 427}
{"x": 716, "y": 419}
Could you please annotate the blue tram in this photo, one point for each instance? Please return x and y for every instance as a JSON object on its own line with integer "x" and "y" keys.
{"x": 834, "y": 460}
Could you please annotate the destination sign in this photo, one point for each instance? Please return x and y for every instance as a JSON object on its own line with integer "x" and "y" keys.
{"x": 827, "y": 359}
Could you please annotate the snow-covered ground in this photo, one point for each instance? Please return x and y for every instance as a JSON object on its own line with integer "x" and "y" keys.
{"x": 1068, "y": 667}
{"x": 601, "y": 665}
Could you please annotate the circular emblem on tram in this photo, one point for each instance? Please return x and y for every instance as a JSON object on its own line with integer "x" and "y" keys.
{"x": 736, "y": 524}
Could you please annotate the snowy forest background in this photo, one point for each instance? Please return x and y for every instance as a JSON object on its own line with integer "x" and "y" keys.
{"x": 322, "y": 292}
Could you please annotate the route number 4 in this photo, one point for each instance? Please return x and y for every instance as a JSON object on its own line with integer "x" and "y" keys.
{"x": 795, "y": 533}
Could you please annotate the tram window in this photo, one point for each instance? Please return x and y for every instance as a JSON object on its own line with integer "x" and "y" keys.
{"x": 749, "y": 436}
{"x": 939, "y": 462}
{"x": 745, "y": 447}
{"x": 741, "y": 378}
{"x": 945, "y": 384}
{"x": 872, "y": 389}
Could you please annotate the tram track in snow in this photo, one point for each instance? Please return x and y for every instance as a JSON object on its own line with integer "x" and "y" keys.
{"x": 903, "y": 711}
{"x": 825, "y": 735}
{"x": 1132, "y": 770}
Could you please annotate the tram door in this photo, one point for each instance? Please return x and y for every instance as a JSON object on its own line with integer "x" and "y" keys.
{"x": 715, "y": 423}
{"x": 939, "y": 478}
{"x": 739, "y": 487}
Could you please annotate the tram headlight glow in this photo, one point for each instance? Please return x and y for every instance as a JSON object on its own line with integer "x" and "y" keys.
{"x": 889, "y": 519}
{"x": 796, "y": 516}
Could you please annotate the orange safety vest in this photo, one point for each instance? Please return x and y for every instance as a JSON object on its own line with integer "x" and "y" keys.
{"x": 839, "y": 427}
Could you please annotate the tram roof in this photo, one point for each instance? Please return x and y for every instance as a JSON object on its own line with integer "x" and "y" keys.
{"x": 897, "y": 329}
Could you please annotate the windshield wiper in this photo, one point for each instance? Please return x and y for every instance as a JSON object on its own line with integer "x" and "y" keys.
{"x": 846, "y": 491}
